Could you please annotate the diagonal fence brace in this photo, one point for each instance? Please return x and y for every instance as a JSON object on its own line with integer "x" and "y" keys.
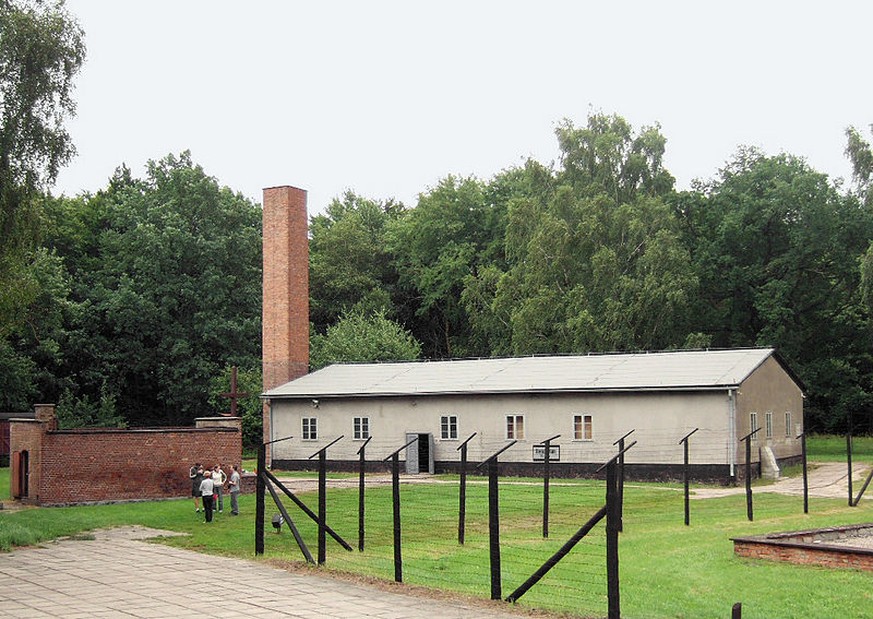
{"x": 300, "y": 543}
{"x": 560, "y": 554}
{"x": 306, "y": 510}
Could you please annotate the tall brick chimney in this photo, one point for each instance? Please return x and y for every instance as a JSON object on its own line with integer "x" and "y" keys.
{"x": 285, "y": 318}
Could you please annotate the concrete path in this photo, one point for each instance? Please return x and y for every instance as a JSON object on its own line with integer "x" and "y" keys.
{"x": 117, "y": 575}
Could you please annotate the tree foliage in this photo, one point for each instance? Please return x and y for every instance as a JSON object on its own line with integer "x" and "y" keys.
{"x": 436, "y": 246}
{"x": 777, "y": 249}
{"x": 165, "y": 291}
{"x": 150, "y": 289}
{"x": 861, "y": 157}
{"x": 41, "y": 51}
{"x": 595, "y": 258}
{"x": 360, "y": 337}
{"x": 31, "y": 354}
{"x": 350, "y": 266}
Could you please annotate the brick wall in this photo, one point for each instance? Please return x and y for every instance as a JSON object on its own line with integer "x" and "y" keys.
{"x": 96, "y": 465}
{"x": 4, "y": 433}
{"x": 82, "y": 466}
{"x": 285, "y": 318}
{"x": 26, "y": 435}
{"x": 823, "y": 547}
{"x": 832, "y": 556}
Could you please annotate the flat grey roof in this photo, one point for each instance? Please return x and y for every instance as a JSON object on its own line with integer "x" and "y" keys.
{"x": 656, "y": 371}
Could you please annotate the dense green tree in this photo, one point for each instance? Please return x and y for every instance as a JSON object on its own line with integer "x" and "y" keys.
{"x": 41, "y": 51}
{"x": 605, "y": 158}
{"x": 167, "y": 289}
{"x": 777, "y": 248}
{"x": 861, "y": 156}
{"x": 350, "y": 266}
{"x": 436, "y": 246}
{"x": 85, "y": 412}
{"x": 32, "y": 353}
{"x": 596, "y": 260}
{"x": 150, "y": 290}
{"x": 360, "y": 337}
{"x": 490, "y": 329}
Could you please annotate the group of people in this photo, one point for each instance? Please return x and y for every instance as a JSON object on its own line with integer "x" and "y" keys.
{"x": 208, "y": 485}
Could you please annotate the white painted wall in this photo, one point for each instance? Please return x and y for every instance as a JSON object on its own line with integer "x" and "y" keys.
{"x": 660, "y": 420}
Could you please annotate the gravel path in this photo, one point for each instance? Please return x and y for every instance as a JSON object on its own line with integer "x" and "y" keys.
{"x": 826, "y": 480}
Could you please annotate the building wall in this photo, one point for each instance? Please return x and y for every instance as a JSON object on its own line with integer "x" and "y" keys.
{"x": 97, "y": 465}
{"x": 659, "y": 421}
{"x": 770, "y": 390}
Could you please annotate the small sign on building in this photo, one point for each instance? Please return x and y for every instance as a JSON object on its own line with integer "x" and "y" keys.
{"x": 539, "y": 453}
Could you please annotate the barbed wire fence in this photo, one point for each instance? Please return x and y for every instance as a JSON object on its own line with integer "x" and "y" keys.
{"x": 441, "y": 534}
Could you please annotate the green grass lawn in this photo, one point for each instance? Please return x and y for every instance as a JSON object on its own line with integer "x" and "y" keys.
{"x": 668, "y": 570}
{"x": 830, "y": 448}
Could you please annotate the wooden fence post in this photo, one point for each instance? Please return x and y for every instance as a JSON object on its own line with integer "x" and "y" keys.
{"x": 260, "y": 490}
{"x": 395, "y": 502}
{"x": 849, "y": 463}
{"x": 494, "y": 520}
{"x": 361, "y": 467}
{"x": 686, "y": 474}
{"x": 748, "y": 439}
{"x": 547, "y": 457}
{"x": 462, "y": 493}
{"x": 613, "y": 526}
{"x": 802, "y": 438}
{"x": 620, "y": 462}
{"x": 494, "y": 530}
{"x": 322, "y": 498}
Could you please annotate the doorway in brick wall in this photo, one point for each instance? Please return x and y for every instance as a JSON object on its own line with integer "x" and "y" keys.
{"x": 20, "y": 478}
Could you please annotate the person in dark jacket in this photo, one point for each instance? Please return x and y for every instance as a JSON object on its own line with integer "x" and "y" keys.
{"x": 196, "y": 475}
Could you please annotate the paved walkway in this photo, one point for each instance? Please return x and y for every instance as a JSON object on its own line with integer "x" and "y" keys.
{"x": 117, "y": 575}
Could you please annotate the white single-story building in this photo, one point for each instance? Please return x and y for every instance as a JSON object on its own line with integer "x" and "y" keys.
{"x": 588, "y": 401}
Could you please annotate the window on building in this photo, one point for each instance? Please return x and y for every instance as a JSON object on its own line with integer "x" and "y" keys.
{"x": 768, "y": 424}
{"x": 361, "y": 428}
{"x": 753, "y": 424}
{"x": 787, "y": 424}
{"x": 583, "y": 427}
{"x": 449, "y": 427}
{"x": 310, "y": 428}
{"x": 515, "y": 427}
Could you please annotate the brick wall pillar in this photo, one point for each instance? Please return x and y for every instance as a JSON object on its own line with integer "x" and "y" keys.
{"x": 30, "y": 436}
{"x": 285, "y": 319}
{"x": 45, "y": 414}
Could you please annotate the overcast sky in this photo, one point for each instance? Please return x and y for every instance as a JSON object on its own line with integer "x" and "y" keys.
{"x": 386, "y": 98}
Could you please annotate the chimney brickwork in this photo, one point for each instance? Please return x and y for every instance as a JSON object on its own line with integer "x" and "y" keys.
{"x": 285, "y": 324}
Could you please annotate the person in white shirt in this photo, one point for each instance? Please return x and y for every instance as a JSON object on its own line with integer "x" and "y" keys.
{"x": 219, "y": 477}
{"x": 207, "y": 488}
{"x": 234, "y": 490}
